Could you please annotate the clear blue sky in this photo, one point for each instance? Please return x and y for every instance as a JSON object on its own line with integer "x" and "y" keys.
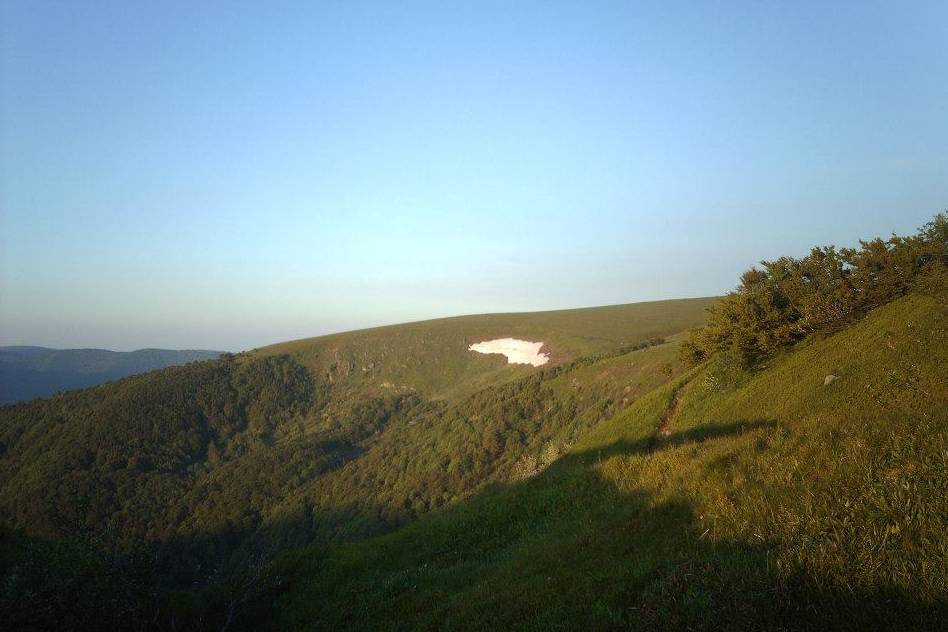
{"x": 225, "y": 175}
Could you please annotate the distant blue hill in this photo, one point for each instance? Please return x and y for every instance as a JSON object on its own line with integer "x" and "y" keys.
{"x": 30, "y": 372}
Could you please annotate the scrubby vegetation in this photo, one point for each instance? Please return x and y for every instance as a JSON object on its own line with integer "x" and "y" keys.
{"x": 788, "y": 299}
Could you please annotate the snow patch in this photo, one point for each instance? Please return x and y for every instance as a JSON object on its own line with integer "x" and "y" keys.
{"x": 517, "y": 351}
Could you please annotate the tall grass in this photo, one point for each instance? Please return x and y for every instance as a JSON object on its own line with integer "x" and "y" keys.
{"x": 775, "y": 502}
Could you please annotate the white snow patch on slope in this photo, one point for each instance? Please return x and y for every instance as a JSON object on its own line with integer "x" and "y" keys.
{"x": 517, "y": 351}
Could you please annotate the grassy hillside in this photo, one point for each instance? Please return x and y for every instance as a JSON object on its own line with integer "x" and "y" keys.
{"x": 781, "y": 466}
{"x": 30, "y": 372}
{"x": 432, "y": 357}
{"x": 725, "y": 499}
{"x": 213, "y": 466}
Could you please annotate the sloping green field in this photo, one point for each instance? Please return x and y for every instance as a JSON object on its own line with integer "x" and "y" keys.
{"x": 722, "y": 500}
{"x": 432, "y": 357}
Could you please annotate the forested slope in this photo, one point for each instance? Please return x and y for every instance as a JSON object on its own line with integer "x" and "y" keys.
{"x": 762, "y": 499}
{"x": 212, "y": 466}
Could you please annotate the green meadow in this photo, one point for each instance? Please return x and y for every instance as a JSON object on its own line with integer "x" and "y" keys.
{"x": 432, "y": 357}
{"x": 773, "y": 502}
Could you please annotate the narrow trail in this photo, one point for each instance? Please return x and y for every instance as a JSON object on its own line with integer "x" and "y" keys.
{"x": 668, "y": 418}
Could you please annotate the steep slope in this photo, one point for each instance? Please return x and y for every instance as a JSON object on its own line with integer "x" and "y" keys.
{"x": 773, "y": 502}
{"x": 209, "y": 466}
{"x": 30, "y": 372}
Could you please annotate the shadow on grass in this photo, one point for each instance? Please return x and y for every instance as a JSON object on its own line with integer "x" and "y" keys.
{"x": 563, "y": 550}
{"x": 653, "y": 443}
{"x": 567, "y": 550}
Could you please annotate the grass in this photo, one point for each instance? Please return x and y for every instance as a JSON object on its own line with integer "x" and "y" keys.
{"x": 613, "y": 489}
{"x": 421, "y": 461}
{"x": 432, "y": 357}
{"x": 202, "y": 471}
{"x": 775, "y": 502}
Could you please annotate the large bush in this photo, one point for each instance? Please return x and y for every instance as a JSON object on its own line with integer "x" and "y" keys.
{"x": 788, "y": 299}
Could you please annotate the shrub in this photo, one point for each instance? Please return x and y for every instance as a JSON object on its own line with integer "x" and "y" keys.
{"x": 788, "y": 299}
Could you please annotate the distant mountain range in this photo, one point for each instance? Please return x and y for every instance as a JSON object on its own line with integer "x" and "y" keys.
{"x": 28, "y": 372}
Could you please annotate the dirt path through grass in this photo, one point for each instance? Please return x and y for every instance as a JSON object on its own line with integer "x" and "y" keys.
{"x": 668, "y": 418}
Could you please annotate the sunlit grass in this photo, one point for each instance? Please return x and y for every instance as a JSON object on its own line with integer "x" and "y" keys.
{"x": 432, "y": 357}
{"x": 775, "y": 502}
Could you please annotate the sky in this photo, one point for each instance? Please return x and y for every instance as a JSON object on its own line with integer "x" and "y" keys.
{"x": 228, "y": 175}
